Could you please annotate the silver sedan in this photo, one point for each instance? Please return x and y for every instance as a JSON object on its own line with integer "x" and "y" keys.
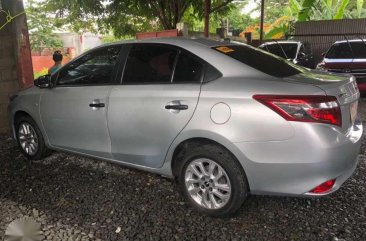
{"x": 225, "y": 120}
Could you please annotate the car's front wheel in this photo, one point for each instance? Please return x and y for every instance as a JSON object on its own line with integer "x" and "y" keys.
{"x": 30, "y": 139}
{"x": 212, "y": 180}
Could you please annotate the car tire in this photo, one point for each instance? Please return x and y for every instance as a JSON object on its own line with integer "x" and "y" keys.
{"x": 204, "y": 189}
{"x": 30, "y": 139}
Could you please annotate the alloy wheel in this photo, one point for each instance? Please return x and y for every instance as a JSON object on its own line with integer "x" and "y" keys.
{"x": 28, "y": 138}
{"x": 207, "y": 183}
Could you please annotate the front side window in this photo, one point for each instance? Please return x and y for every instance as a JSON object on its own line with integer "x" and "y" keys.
{"x": 148, "y": 63}
{"x": 95, "y": 68}
{"x": 188, "y": 69}
{"x": 260, "y": 60}
{"x": 339, "y": 51}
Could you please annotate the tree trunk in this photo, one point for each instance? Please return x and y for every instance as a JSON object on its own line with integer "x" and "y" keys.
{"x": 207, "y": 17}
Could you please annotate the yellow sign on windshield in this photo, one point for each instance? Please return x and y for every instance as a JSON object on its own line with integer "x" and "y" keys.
{"x": 224, "y": 49}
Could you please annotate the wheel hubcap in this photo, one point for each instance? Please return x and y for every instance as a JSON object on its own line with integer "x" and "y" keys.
{"x": 28, "y": 139}
{"x": 207, "y": 183}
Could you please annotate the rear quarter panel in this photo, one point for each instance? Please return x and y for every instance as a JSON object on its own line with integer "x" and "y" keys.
{"x": 250, "y": 121}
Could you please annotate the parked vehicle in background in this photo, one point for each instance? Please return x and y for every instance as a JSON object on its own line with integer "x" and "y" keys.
{"x": 298, "y": 52}
{"x": 225, "y": 120}
{"x": 349, "y": 57}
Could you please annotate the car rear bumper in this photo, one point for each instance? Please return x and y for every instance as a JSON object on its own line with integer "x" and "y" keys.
{"x": 316, "y": 154}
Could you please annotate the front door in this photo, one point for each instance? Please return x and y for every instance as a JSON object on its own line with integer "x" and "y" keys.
{"x": 154, "y": 103}
{"x": 74, "y": 111}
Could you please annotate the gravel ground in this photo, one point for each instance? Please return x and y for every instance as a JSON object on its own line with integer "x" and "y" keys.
{"x": 77, "y": 198}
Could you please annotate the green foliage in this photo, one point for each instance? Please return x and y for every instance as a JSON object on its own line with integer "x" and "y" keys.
{"x": 278, "y": 30}
{"x": 126, "y": 17}
{"x": 239, "y": 20}
{"x": 112, "y": 38}
{"x": 194, "y": 17}
{"x": 274, "y": 10}
{"x": 306, "y": 6}
{"x": 359, "y": 8}
{"x": 41, "y": 27}
{"x": 303, "y": 10}
{"x": 123, "y": 18}
{"x": 340, "y": 11}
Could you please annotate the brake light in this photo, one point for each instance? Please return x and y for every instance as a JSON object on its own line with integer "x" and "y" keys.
{"x": 319, "y": 109}
{"x": 324, "y": 187}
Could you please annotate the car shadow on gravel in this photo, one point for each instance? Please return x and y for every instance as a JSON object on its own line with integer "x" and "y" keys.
{"x": 100, "y": 197}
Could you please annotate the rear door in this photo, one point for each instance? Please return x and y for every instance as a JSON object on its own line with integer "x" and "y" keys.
{"x": 158, "y": 96}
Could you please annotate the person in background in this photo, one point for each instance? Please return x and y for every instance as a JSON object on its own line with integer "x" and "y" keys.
{"x": 57, "y": 57}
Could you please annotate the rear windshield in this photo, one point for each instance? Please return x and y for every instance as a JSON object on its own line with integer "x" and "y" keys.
{"x": 284, "y": 50}
{"x": 260, "y": 60}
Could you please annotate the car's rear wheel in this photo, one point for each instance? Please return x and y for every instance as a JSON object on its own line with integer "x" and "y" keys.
{"x": 212, "y": 180}
{"x": 30, "y": 139}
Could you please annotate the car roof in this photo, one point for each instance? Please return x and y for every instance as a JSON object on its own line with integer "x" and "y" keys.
{"x": 178, "y": 41}
{"x": 281, "y": 42}
{"x": 350, "y": 41}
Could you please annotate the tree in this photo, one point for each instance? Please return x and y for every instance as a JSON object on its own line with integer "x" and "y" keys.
{"x": 323, "y": 9}
{"x": 41, "y": 28}
{"x": 126, "y": 16}
{"x": 239, "y": 20}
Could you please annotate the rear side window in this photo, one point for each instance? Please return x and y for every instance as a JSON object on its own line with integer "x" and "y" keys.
{"x": 259, "y": 60}
{"x": 359, "y": 49}
{"x": 287, "y": 51}
{"x": 188, "y": 69}
{"x": 339, "y": 51}
{"x": 149, "y": 64}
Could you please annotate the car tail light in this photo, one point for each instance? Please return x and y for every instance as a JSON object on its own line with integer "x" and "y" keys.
{"x": 320, "y": 109}
{"x": 324, "y": 187}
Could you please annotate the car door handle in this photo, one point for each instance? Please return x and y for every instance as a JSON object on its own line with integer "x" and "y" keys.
{"x": 97, "y": 105}
{"x": 176, "y": 107}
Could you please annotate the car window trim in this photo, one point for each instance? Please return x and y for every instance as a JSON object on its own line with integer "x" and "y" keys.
{"x": 113, "y": 76}
{"x": 179, "y": 52}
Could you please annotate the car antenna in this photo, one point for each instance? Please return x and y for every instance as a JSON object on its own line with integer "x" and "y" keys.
{"x": 283, "y": 51}
{"x": 349, "y": 45}
{"x": 267, "y": 48}
{"x": 359, "y": 36}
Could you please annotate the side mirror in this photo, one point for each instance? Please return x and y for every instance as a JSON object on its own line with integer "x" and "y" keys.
{"x": 43, "y": 81}
{"x": 323, "y": 54}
